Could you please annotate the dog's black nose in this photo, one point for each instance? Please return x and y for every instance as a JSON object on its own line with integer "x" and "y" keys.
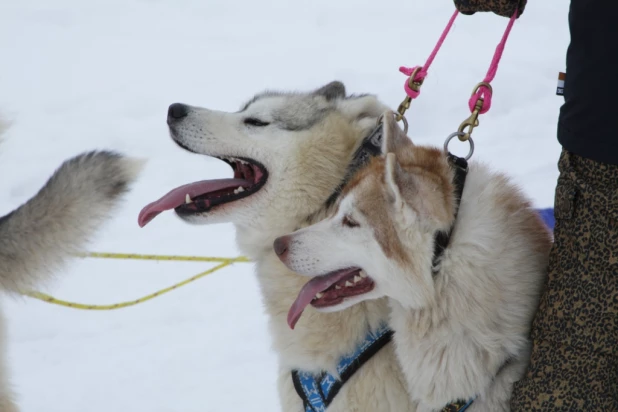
{"x": 177, "y": 111}
{"x": 281, "y": 246}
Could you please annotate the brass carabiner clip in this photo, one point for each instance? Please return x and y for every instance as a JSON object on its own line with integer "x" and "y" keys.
{"x": 470, "y": 123}
{"x": 473, "y": 121}
{"x": 401, "y": 110}
{"x": 415, "y": 86}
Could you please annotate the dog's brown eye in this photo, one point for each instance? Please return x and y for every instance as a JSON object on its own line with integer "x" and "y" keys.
{"x": 349, "y": 222}
{"x": 252, "y": 121}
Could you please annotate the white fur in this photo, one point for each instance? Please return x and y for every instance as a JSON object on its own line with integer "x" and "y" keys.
{"x": 453, "y": 333}
{"x": 305, "y": 166}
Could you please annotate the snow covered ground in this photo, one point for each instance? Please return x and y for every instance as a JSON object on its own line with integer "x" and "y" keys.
{"x": 80, "y": 75}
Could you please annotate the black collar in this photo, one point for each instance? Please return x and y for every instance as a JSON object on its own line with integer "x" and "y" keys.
{"x": 371, "y": 147}
{"x": 442, "y": 239}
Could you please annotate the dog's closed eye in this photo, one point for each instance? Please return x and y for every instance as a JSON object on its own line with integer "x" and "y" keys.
{"x": 252, "y": 121}
{"x": 349, "y": 222}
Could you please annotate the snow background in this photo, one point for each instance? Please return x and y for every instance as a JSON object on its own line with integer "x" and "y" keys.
{"x": 81, "y": 75}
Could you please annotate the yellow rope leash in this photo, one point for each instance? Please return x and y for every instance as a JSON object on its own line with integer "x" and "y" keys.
{"x": 223, "y": 263}
{"x": 134, "y": 256}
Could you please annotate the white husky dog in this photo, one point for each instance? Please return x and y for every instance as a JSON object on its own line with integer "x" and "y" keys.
{"x": 289, "y": 152}
{"x": 461, "y": 325}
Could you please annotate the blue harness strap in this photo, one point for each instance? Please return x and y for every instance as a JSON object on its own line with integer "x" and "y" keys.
{"x": 457, "y": 406}
{"x": 317, "y": 392}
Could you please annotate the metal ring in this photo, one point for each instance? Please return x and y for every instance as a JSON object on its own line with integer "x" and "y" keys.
{"x": 396, "y": 115}
{"x": 405, "y": 125}
{"x": 458, "y": 134}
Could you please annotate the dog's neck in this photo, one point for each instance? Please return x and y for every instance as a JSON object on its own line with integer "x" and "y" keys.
{"x": 442, "y": 359}
{"x": 484, "y": 296}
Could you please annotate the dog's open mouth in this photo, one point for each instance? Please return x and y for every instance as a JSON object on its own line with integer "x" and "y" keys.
{"x": 330, "y": 290}
{"x": 199, "y": 197}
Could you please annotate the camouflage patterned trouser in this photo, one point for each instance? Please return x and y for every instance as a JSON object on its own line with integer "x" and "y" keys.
{"x": 574, "y": 364}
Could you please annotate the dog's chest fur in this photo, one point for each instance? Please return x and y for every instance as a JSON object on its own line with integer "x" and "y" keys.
{"x": 472, "y": 339}
{"x": 321, "y": 339}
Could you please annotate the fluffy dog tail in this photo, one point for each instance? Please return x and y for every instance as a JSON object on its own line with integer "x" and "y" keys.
{"x": 37, "y": 238}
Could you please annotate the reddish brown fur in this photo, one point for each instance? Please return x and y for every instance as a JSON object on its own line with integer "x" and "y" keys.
{"x": 530, "y": 224}
{"x": 423, "y": 178}
{"x": 374, "y": 205}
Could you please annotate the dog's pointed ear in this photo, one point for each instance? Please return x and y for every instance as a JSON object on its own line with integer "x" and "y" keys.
{"x": 331, "y": 91}
{"x": 393, "y": 138}
{"x": 392, "y": 169}
{"x": 410, "y": 190}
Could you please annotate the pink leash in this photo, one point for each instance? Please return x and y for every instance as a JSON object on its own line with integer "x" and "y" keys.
{"x": 482, "y": 92}
{"x": 422, "y": 71}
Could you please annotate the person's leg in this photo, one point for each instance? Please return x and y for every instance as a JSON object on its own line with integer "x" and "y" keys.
{"x": 574, "y": 363}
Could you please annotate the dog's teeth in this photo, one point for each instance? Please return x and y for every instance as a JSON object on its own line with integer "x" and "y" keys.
{"x": 188, "y": 199}
{"x": 363, "y": 274}
{"x": 319, "y": 295}
{"x": 348, "y": 283}
{"x": 337, "y": 287}
{"x": 240, "y": 189}
{"x": 242, "y": 162}
{"x": 357, "y": 279}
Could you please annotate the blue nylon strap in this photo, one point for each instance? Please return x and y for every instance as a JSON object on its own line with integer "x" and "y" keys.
{"x": 316, "y": 395}
{"x": 372, "y": 337}
{"x": 457, "y": 406}
{"x": 313, "y": 396}
{"x": 466, "y": 406}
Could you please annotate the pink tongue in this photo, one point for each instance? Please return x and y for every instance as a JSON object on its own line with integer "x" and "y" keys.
{"x": 177, "y": 196}
{"x": 308, "y": 292}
